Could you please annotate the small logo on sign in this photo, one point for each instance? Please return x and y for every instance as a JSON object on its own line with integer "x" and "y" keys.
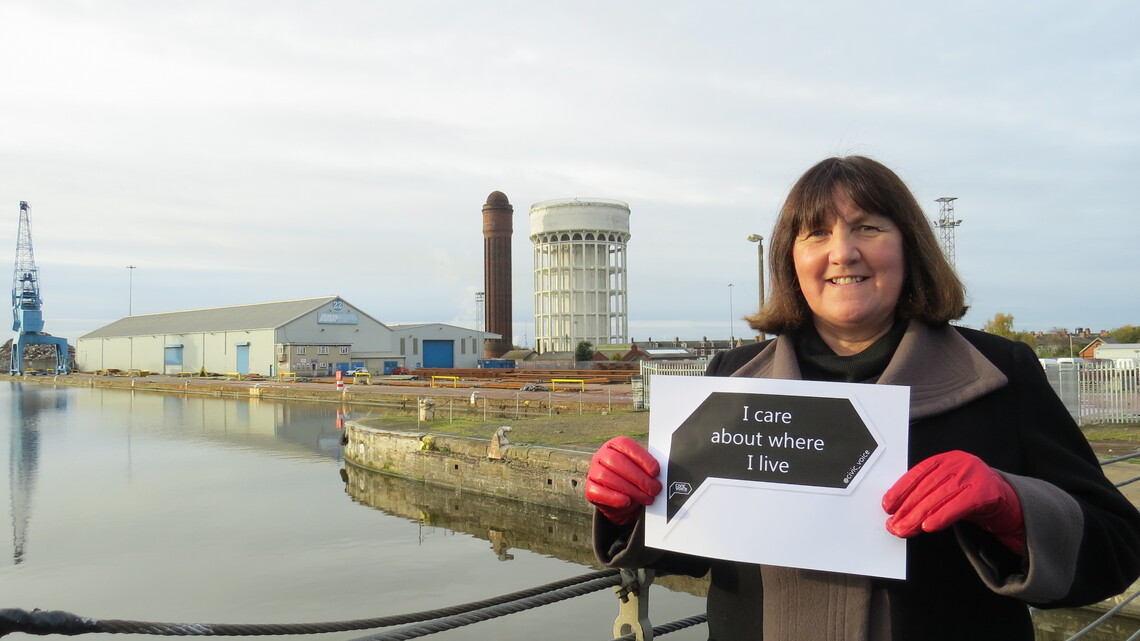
{"x": 680, "y": 487}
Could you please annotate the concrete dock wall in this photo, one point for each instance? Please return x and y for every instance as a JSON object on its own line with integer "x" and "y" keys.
{"x": 542, "y": 475}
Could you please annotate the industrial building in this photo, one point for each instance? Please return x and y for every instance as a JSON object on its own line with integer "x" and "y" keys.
{"x": 579, "y": 273}
{"x": 309, "y": 337}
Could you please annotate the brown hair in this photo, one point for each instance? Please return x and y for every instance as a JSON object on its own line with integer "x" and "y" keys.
{"x": 931, "y": 291}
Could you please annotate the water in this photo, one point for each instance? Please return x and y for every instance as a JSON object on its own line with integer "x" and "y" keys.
{"x": 151, "y": 507}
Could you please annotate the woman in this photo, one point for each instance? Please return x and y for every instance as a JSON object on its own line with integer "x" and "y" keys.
{"x": 1005, "y": 504}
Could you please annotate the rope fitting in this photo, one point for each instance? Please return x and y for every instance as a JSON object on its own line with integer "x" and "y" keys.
{"x": 633, "y": 605}
{"x": 44, "y": 622}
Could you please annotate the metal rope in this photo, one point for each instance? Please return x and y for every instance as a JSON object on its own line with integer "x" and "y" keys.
{"x": 1105, "y": 617}
{"x": 460, "y": 620}
{"x": 40, "y": 622}
{"x": 673, "y": 626}
{"x": 1131, "y": 480}
{"x": 1119, "y": 459}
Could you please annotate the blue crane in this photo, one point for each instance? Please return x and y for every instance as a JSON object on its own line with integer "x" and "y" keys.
{"x": 27, "y": 306}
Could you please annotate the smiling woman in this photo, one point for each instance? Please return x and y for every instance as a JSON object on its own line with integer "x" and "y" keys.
{"x": 1004, "y": 504}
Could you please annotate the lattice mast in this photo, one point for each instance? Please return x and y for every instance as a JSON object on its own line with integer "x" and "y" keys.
{"x": 27, "y": 307}
{"x": 945, "y": 225}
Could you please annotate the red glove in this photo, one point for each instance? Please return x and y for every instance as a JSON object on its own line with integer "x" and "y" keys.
{"x": 950, "y": 487}
{"x": 622, "y": 478}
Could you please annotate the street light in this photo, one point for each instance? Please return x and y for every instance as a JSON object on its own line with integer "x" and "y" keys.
{"x": 131, "y": 290}
{"x": 731, "y": 316}
{"x": 759, "y": 240}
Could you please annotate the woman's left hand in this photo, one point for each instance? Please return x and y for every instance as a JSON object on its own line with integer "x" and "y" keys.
{"x": 950, "y": 487}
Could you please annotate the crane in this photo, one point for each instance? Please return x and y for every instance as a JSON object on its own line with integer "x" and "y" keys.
{"x": 27, "y": 306}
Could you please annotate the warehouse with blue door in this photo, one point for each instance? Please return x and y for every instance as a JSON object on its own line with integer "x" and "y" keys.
{"x": 308, "y": 337}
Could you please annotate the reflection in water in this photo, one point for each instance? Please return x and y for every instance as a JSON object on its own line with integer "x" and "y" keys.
{"x": 504, "y": 523}
{"x": 272, "y": 426}
{"x": 27, "y": 405}
{"x": 276, "y": 427}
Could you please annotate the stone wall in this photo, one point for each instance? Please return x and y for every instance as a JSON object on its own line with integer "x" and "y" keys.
{"x": 542, "y": 475}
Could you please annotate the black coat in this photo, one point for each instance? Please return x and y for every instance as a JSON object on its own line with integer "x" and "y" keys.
{"x": 984, "y": 395}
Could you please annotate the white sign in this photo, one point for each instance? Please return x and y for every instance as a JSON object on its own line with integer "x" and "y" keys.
{"x": 778, "y": 472}
{"x": 337, "y": 318}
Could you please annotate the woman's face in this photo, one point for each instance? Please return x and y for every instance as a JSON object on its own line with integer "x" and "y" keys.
{"x": 851, "y": 271}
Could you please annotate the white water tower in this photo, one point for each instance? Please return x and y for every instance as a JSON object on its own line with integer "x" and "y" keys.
{"x": 579, "y": 273}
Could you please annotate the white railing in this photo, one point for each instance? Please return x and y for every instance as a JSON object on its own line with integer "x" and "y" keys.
{"x": 674, "y": 368}
{"x": 1097, "y": 392}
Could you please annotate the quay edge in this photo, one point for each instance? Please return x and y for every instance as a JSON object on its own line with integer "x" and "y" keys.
{"x": 542, "y": 475}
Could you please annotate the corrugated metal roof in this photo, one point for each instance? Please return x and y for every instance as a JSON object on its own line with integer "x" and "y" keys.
{"x": 666, "y": 351}
{"x": 238, "y": 317}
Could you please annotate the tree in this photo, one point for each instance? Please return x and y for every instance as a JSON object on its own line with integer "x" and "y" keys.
{"x": 584, "y": 352}
{"x": 1125, "y": 334}
{"x": 1000, "y": 324}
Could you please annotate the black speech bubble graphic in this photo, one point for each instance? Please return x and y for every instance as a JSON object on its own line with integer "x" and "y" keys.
{"x": 793, "y": 440}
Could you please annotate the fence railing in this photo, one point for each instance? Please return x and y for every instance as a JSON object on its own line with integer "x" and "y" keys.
{"x": 675, "y": 368}
{"x": 1097, "y": 392}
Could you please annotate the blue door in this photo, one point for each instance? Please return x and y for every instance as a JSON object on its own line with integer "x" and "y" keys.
{"x": 439, "y": 353}
{"x": 172, "y": 359}
{"x": 243, "y": 358}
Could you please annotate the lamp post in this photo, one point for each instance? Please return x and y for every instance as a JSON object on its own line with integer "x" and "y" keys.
{"x": 131, "y": 290}
{"x": 731, "y": 316}
{"x": 759, "y": 240}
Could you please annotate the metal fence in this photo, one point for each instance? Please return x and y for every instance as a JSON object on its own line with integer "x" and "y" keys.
{"x": 1097, "y": 392}
{"x": 674, "y": 368}
{"x": 1094, "y": 392}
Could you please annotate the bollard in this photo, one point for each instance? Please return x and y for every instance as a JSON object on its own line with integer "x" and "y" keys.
{"x": 339, "y": 381}
{"x": 427, "y": 410}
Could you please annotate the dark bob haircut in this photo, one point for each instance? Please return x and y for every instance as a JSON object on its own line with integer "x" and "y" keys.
{"x": 931, "y": 290}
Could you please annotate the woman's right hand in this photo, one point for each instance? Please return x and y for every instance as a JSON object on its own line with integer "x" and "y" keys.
{"x": 622, "y": 478}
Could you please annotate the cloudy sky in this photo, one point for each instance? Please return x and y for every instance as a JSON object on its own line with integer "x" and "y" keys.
{"x": 239, "y": 152}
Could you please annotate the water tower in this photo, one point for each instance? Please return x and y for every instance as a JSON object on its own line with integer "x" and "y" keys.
{"x": 579, "y": 273}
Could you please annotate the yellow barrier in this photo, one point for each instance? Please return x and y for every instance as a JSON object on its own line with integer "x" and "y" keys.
{"x": 367, "y": 376}
{"x": 181, "y": 374}
{"x": 234, "y": 375}
{"x": 555, "y": 381}
{"x": 454, "y": 380}
{"x": 287, "y": 376}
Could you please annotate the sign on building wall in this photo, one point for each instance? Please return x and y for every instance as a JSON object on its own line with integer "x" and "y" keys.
{"x": 338, "y": 318}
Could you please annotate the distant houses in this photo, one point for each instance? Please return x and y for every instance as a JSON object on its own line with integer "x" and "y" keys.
{"x": 628, "y": 353}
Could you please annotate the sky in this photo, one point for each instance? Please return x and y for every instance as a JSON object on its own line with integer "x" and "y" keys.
{"x": 240, "y": 152}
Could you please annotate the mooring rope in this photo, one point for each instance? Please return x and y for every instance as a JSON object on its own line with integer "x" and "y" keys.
{"x": 42, "y": 622}
{"x": 672, "y": 626}
{"x": 477, "y": 616}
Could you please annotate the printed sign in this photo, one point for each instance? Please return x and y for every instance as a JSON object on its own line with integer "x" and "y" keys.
{"x": 822, "y": 443}
{"x": 778, "y": 472}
